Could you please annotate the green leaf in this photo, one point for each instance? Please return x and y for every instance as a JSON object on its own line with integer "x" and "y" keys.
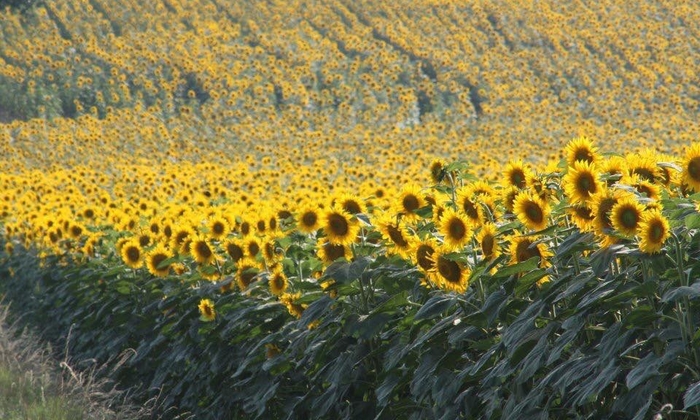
{"x": 678, "y": 293}
{"x": 434, "y": 306}
{"x": 522, "y": 267}
{"x": 345, "y": 272}
{"x": 691, "y": 398}
{"x": 692, "y": 221}
{"x": 645, "y": 369}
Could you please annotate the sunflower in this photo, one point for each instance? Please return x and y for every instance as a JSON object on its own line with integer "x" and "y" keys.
{"x": 449, "y": 274}
{"x": 422, "y": 254}
{"x": 395, "y": 234}
{"x": 277, "y": 282}
{"x": 581, "y": 149}
{"x": 248, "y": 270}
{"x": 270, "y": 251}
{"x": 647, "y": 188}
{"x": 218, "y": 227}
{"x": 329, "y": 252}
{"x": 516, "y": 175}
{"x": 653, "y": 231}
{"x": 289, "y": 301}
{"x": 690, "y": 175}
{"x": 531, "y": 210}
{"x": 437, "y": 171}
{"x": 581, "y": 182}
{"x": 582, "y": 215}
{"x": 625, "y": 216}
{"x": 468, "y": 204}
{"x": 340, "y": 227}
{"x": 132, "y": 254}
{"x": 522, "y": 248}
{"x": 612, "y": 169}
{"x": 455, "y": 229}
{"x": 486, "y": 239}
{"x": 409, "y": 200}
{"x": 201, "y": 250}
{"x": 350, "y": 204}
{"x": 235, "y": 249}
{"x": 308, "y": 218}
{"x": 180, "y": 239}
{"x": 206, "y": 310}
{"x": 507, "y": 196}
{"x": 155, "y": 259}
{"x": 643, "y": 165}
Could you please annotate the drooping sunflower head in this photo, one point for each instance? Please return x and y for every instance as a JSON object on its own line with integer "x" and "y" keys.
{"x": 653, "y": 232}
{"x": 626, "y": 215}
{"x": 581, "y": 182}
{"x": 437, "y": 171}
{"x": 455, "y": 229}
{"x": 690, "y": 174}
{"x": 531, "y": 210}
{"x": 516, "y": 175}
{"x": 246, "y": 273}
{"x": 156, "y": 261}
{"x": 581, "y": 149}
{"x": 339, "y": 226}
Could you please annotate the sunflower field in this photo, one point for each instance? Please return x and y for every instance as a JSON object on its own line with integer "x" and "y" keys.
{"x": 417, "y": 209}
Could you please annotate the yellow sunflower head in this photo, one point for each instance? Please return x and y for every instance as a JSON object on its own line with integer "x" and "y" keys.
{"x": 409, "y": 200}
{"x": 278, "y": 282}
{"x": 653, "y": 232}
{"x": 581, "y": 182}
{"x": 155, "y": 261}
{"x": 487, "y": 241}
{"x": 516, "y": 175}
{"x": 132, "y": 254}
{"x": 395, "y": 234}
{"x": 202, "y": 250}
{"x": 532, "y": 211}
{"x": 339, "y": 226}
{"x": 329, "y": 252}
{"x": 206, "y": 310}
{"x": 455, "y": 229}
{"x": 581, "y": 149}
{"x": 690, "y": 166}
{"x": 626, "y": 215}
{"x": 450, "y": 275}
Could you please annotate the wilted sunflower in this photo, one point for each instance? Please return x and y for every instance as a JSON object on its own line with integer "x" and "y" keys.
{"x": 581, "y": 149}
{"x": 206, "y": 310}
{"x": 155, "y": 259}
{"x": 516, "y": 175}
{"x": 278, "y": 282}
{"x": 132, "y": 254}
{"x": 581, "y": 182}
{"x": 690, "y": 174}
{"x": 201, "y": 250}
{"x": 626, "y": 215}
{"x": 653, "y": 231}
{"x": 486, "y": 239}
{"x": 455, "y": 229}
{"x": 340, "y": 227}
{"x": 329, "y": 252}
{"x": 449, "y": 274}
{"x": 531, "y": 210}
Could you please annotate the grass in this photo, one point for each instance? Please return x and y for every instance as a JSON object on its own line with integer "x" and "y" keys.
{"x": 35, "y": 385}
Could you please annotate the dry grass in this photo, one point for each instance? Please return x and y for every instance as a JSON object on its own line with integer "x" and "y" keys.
{"x": 35, "y": 385}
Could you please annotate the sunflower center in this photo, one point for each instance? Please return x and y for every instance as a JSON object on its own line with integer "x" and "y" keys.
{"x": 207, "y": 310}
{"x": 334, "y": 251}
{"x": 245, "y": 228}
{"x": 352, "y": 207}
{"x": 144, "y": 240}
{"x": 397, "y": 237}
{"x": 525, "y": 251}
{"x": 517, "y": 178}
{"x": 133, "y": 254}
{"x": 586, "y": 184}
{"x": 261, "y": 225}
{"x": 423, "y": 255}
{"x": 534, "y": 213}
{"x": 203, "y": 249}
{"x": 694, "y": 168}
{"x": 253, "y": 249}
{"x": 158, "y": 259}
{"x": 644, "y": 173}
{"x": 449, "y": 270}
{"x": 247, "y": 276}
{"x": 456, "y": 229}
{"x": 278, "y": 282}
{"x": 76, "y": 231}
{"x": 410, "y": 203}
{"x": 309, "y": 219}
{"x": 470, "y": 209}
{"x": 487, "y": 245}
{"x": 604, "y": 212}
{"x": 338, "y": 224}
{"x": 629, "y": 218}
{"x": 656, "y": 232}
{"x": 583, "y": 154}
{"x": 218, "y": 228}
{"x": 235, "y": 252}
{"x": 584, "y": 212}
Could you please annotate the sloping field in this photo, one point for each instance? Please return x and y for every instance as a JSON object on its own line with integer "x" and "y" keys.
{"x": 327, "y": 209}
